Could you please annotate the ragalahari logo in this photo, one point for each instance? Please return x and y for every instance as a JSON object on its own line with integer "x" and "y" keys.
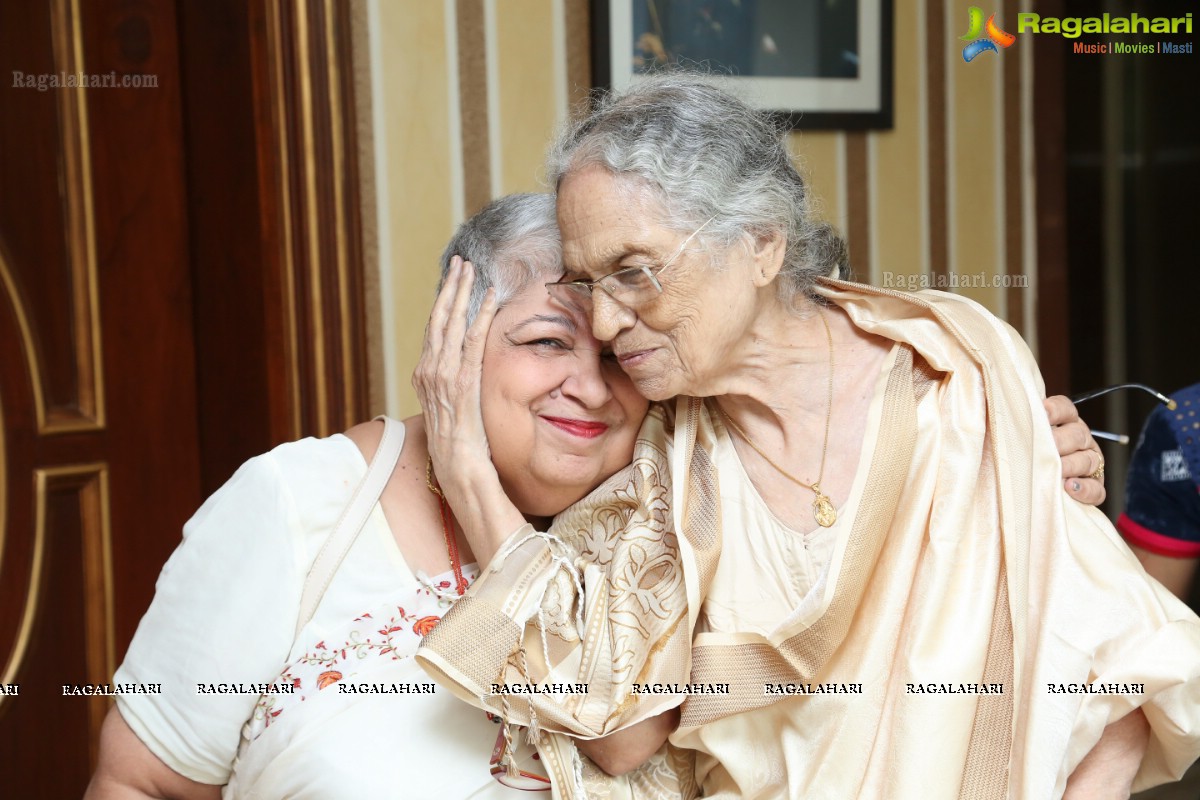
{"x": 983, "y": 37}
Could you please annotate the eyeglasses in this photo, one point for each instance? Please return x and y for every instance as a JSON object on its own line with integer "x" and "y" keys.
{"x": 1120, "y": 437}
{"x": 630, "y": 287}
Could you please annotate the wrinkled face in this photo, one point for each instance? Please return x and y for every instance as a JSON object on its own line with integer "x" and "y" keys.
{"x": 682, "y": 341}
{"x": 559, "y": 414}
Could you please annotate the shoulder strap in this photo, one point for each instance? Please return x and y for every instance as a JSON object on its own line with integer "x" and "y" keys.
{"x": 352, "y": 520}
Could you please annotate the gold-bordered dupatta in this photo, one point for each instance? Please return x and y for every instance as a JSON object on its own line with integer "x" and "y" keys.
{"x": 611, "y": 595}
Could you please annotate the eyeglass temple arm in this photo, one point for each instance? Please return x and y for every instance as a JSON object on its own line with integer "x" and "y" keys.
{"x": 1162, "y": 398}
{"x": 1121, "y": 438}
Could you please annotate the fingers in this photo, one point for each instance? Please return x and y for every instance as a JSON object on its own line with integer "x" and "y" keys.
{"x": 1086, "y": 490}
{"x": 435, "y": 330}
{"x": 1076, "y": 467}
{"x": 447, "y": 320}
{"x": 1079, "y": 452}
{"x": 1072, "y": 437}
{"x": 456, "y": 323}
{"x": 440, "y": 346}
{"x": 447, "y": 377}
{"x": 1081, "y": 463}
{"x": 1060, "y": 410}
{"x": 476, "y": 337}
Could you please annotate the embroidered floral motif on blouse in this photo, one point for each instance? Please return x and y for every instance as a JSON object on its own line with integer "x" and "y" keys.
{"x": 391, "y": 631}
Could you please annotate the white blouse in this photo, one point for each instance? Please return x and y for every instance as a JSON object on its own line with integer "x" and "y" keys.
{"x": 346, "y": 712}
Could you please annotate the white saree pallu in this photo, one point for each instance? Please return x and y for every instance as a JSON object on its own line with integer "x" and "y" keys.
{"x": 971, "y": 633}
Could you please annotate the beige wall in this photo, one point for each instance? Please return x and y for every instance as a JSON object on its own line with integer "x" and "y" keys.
{"x": 465, "y": 94}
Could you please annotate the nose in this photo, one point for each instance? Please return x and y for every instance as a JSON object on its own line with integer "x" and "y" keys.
{"x": 608, "y": 316}
{"x": 587, "y": 383}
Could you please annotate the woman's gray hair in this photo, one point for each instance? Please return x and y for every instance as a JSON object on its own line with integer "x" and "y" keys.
{"x": 706, "y": 154}
{"x": 512, "y": 242}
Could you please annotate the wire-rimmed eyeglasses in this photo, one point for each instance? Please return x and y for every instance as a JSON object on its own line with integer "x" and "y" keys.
{"x": 1120, "y": 437}
{"x": 631, "y": 286}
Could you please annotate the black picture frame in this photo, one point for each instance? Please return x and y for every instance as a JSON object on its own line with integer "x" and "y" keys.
{"x": 812, "y": 102}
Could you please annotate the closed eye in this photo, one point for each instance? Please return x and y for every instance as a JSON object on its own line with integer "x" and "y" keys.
{"x": 557, "y": 344}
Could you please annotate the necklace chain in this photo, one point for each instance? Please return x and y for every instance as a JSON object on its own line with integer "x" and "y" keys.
{"x": 823, "y": 510}
{"x": 447, "y": 528}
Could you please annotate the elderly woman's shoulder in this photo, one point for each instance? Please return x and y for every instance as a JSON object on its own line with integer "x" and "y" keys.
{"x": 964, "y": 309}
{"x": 991, "y": 338}
{"x": 326, "y": 465}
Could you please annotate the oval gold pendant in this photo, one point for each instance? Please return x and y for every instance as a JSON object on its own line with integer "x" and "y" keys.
{"x": 824, "y": 511}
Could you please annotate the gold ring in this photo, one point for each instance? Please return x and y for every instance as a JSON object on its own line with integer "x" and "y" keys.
{"x": 1098, "y": 472}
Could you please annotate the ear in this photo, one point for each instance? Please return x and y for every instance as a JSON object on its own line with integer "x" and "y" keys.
{"x": 767, "y": 250}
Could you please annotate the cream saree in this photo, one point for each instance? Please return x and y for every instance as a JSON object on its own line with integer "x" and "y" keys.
{"x": 964, "y": 565}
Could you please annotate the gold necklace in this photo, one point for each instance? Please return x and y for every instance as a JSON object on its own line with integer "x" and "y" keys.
{"x": 823, "y": 510}
{"x": 447, "y": 529}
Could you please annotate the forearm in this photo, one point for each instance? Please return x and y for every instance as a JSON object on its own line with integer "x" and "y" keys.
{"x": 127, "y": 770}
{"x": 1172, "y": 572}
{"x": 628, "y": 749}
{"x": 1109, "y": 769}
{"x": 104, "y": 788}
{"x": 483, "y": 511}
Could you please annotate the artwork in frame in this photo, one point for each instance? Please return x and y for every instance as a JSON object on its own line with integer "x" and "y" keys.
{"x": 824, "y": 64}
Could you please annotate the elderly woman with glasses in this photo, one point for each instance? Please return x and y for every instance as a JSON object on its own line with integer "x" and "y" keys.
{"x": 841, "y": 552}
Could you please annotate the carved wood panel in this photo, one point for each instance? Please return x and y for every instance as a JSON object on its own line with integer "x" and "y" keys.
{"x": 180, "y": 289}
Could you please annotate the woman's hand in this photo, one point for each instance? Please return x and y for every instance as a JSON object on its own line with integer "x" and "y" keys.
{"x": 447, "y": 377}
{"x": 447, "y": 380}
{"x": 1080, "y": 454}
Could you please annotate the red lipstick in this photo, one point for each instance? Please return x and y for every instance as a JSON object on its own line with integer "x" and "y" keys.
{"x": 584, "y": 429}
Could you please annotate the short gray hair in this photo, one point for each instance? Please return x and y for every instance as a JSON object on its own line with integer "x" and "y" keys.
{"x": 706, "y": 154}
{"x": 512, "y": 242}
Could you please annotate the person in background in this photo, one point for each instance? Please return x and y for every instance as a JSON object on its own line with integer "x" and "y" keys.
{"x": 1161, "y": 521}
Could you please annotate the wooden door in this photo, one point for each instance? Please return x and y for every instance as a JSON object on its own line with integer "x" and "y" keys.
{"x": 97, "y": 378}
{"x": 178, "y": 291}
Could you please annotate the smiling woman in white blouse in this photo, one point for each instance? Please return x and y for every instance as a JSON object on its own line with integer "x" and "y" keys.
{"x": 347, "y": 712}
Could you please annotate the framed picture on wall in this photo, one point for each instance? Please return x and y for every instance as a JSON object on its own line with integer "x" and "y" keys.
{"x": 817, "y": 63}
